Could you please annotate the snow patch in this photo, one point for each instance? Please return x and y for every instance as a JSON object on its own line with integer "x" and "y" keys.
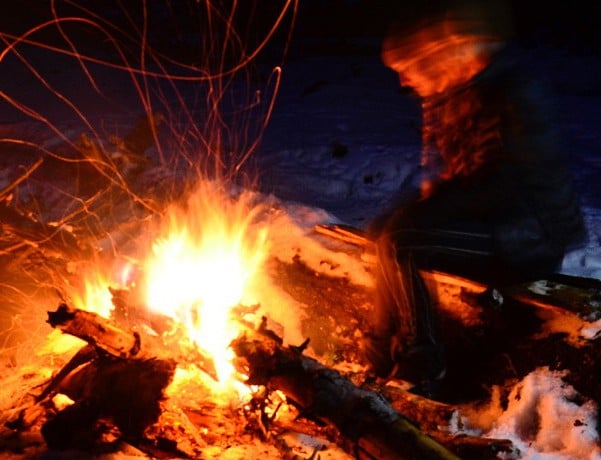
{"x": 292, "y": 237}
{"x": 592, "y": 330}
{"x": 545, "y": 418}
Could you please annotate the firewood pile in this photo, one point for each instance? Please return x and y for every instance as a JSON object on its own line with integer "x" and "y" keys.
{"x": 122, "y": 397}
{"x": 117, "y": 383}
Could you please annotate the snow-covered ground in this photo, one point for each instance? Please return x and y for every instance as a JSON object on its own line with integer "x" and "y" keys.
{"x": 343, "y": 137}
{"x": 346, "y": 138}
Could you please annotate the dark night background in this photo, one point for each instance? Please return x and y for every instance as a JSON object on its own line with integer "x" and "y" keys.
{"x": 568, "y": 23}
{"x": 563, "y": 41}
{"x": 574, "y": 24}
{"x": 564, "y": 37}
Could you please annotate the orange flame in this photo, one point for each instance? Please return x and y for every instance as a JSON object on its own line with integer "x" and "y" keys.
{"x": 203, "y": 264}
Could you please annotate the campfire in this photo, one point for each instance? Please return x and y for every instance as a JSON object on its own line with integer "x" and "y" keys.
{"x": 157, "y": 306}
{"x": 198, "y": 343}
{"x": 178, "y": 343}
{"x": 169, "y": 325}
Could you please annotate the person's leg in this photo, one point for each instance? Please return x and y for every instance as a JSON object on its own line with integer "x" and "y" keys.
{"x": 456, "y": 231}
{"x": 403, "y": 340}
{"x": 445, "y": 232}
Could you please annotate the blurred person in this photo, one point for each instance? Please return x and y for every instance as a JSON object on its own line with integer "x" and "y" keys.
{"x": 499, "y": 205}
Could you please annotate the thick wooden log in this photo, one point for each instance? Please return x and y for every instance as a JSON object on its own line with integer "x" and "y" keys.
{"x": 95, "y": 330}
{"x": 363, "y": 416}
{"x": 109, "y": 337}
{"x": 581, "y": 296}
{"x": 116, "y": 382}
{"x": 109, "y": 392}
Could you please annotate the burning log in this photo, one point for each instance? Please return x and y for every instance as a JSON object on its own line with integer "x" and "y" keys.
{"x": 379, "y": 421}
{"x": 363, "y": 416}
{"x": 104, "y": 335}
{"x": 96, "y": 331}
{"x": 115, "y": 383}
{"x": 114, "y": 399}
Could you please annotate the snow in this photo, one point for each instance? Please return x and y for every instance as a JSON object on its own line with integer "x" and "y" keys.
{"x": 544, "y": 419}
{"x": 342, "y": 140}
{"x": 592, "y": 330}
{"x": 358, "y": 104}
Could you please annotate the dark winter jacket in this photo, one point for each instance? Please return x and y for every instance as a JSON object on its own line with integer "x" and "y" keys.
{"x": 495, "y": 136}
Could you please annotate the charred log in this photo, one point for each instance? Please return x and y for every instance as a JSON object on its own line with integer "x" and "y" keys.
{"x": 111, "y": 338}
{"x": 116, "y": 385}
{"x": 116, "y": 388}
{"x": 114, "y": 399}
{"x": 364, "y": 417}
{"x": 96, "y": 331}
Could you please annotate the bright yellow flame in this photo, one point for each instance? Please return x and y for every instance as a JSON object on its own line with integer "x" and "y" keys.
{"x": 203, "y": 265}
{"x": 91, "y": 293}
{"x": 95, "y": 296}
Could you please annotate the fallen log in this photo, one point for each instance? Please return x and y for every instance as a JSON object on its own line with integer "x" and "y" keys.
{"x": 364, "y": 417}
{"x": 581, "y": 296}
{"x": 115, "y": 383}
{"x": 95, "y": 330}
{"x": 431, "y": 415}
{"x": 103, "y": 334}
{"x": 114, "y": 399}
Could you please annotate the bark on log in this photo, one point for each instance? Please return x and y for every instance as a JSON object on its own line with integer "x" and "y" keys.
{"x": 116, "y": 382}
{"x": 430, "y": 416}
{"x": 109, "y": 392}
{"x": 95, "y": 330}
{"x": 104, "y": 335}
{"x": 362, "y": 416}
